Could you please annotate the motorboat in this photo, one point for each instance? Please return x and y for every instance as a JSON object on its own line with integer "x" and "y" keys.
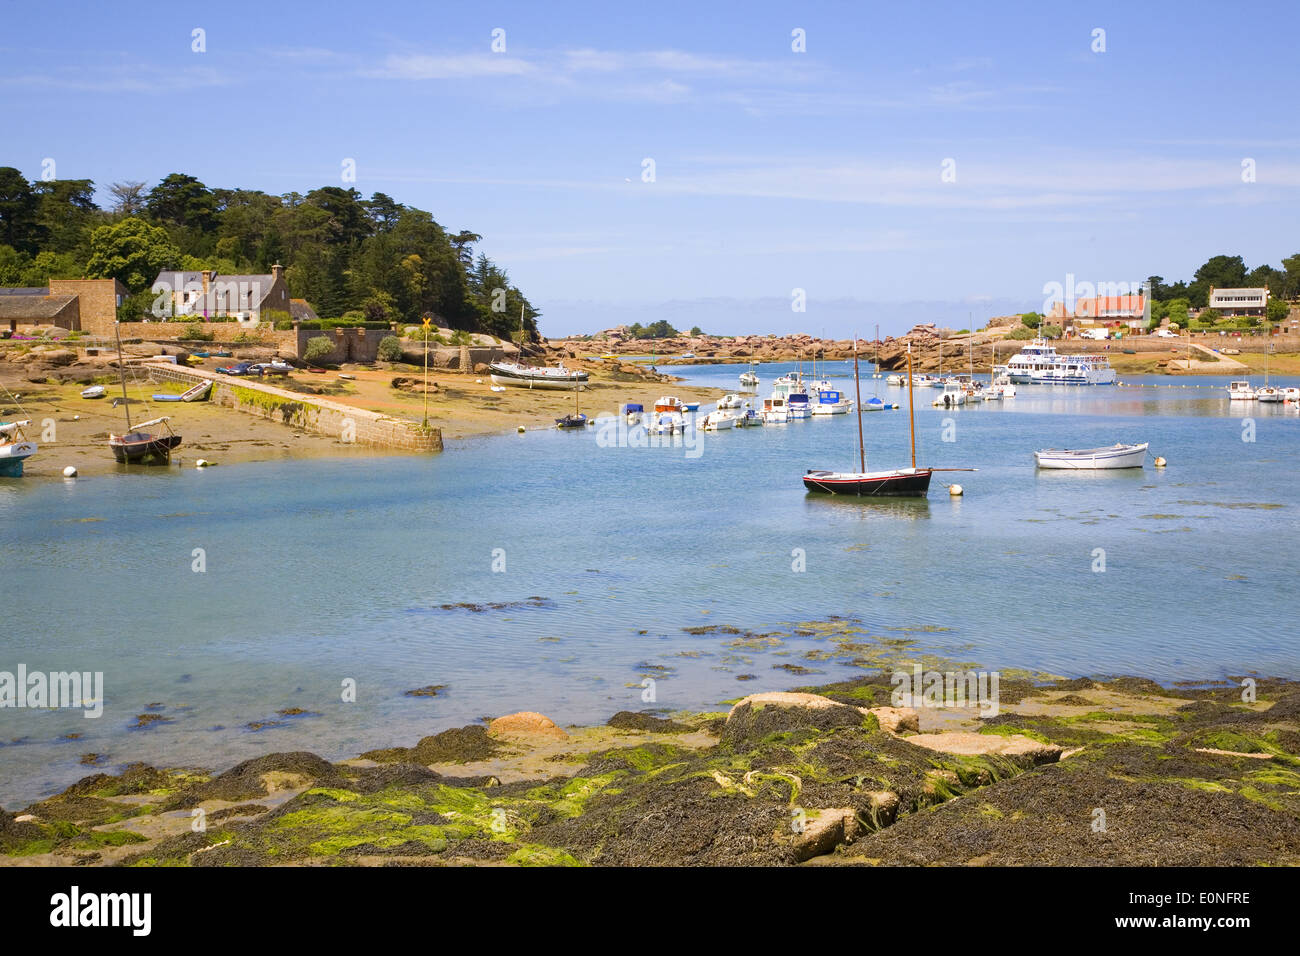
{"x": 1270, "y": 393}
{"x": 730, "y": 400}
{"x": 1112, "y": 456}
{"x": 667, "y": 418}
{"x": 718, "y": 421}
{"x": 1241, "y": 392}
{"x": 893, "y": 378}
{"x": 830, "y": 402}
{"x": 633, "y": 412}
{"x": 775, "y": 411}
{"x": 800, "y": 407}
{"x": 952, "y": 396}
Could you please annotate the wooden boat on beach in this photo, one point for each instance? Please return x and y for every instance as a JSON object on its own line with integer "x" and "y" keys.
{"x": 136, "y": 445}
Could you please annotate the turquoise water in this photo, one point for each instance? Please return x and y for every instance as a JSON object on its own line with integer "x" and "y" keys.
{"x": 326, "y": 570}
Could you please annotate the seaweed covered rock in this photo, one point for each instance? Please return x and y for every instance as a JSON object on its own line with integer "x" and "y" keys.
{"x": 1015, "y": 746}
{"x": 630, "y": 720}
{"x": 260, "y": 777}
{"x": 760, "y": 715}
{"x": 458, "y": 745}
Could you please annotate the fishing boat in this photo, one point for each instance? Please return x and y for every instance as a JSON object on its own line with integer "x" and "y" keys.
{"x": 1113, "y": 456}
{"x": 830, "y": 402}
{"x": 94, "y": 391}
{"x": 718, "y": 421}
{"x": 775, "y": 411}
{"x": 1039, "y": 364}
{"x": 952, "y": 396}
{"x": 533, "y": 376}
{"x": 1240, "y": 392}
{"x": 750, "y": 418}
{"x": 800, "y": 407}
{"x": 136, "y": 445}
{"x": 730, "y": 400}
{"x": 14, "y": 448}
{"x": 1291, "y": 394}
{"x": 910, "y": 482}
{"x": 667, "y": 418}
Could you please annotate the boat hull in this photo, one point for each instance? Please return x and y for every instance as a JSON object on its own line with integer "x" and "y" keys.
{"x": 907, "y": 483}
{"x": 1092, "y": 459}
{"x": 12, "y": 457}
{"x": 136, "y": 448}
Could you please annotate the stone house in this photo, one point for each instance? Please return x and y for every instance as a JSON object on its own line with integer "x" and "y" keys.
{"x": 206, "y": 295}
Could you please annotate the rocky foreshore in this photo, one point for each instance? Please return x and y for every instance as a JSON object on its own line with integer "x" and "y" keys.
{"x": 1120, "y": 771}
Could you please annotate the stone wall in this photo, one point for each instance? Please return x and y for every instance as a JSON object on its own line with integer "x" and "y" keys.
{"x": 309, "y": 412}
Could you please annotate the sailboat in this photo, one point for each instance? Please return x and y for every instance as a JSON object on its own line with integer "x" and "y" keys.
{"x": 136, "y": 445}
{"x": 577, "y": 419}
{"x": 902, "y": 482}
{"x": 1267, "y": 392}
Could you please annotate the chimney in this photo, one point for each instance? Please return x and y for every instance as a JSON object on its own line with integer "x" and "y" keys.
{"x": 208, "y": 276}
{"x": 277, "y": 271}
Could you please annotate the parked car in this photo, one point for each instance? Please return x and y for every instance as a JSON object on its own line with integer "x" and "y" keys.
{"x": 241, "y": 368}
{"x": 1164, "y": 334}
{"x": 275, "y": 367}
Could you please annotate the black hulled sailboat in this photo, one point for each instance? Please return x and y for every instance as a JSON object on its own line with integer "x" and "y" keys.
{"x": 902, "y": 482}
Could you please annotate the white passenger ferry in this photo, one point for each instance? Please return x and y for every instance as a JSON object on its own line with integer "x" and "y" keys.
{"x": 1039, "y": 364}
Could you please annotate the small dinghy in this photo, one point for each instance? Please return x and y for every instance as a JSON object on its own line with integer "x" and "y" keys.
{"x": 14, "y": 448}
{"x": 1112, "y": 456}
{"x": 94, "y": 391}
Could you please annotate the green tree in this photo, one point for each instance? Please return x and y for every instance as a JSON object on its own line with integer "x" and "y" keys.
{"x": 1222, "y": 272}
{"x": 19, "y": 206}
{"x": 317, "y": 349}
{"x": 390, "y": 348}
{"x": 183, "y": 201}
{"x": 132, "y": 251}
{"x": 67, "y": 207}
{"x": 1277, "y": 310}
{"x": 1051, "y": 331}
{"x": 1031, "y": 320}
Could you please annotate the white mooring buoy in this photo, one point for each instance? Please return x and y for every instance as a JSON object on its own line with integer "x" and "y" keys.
{"x": 69, "y": 472}
{"x": 521, "y": 429}
{"x": 1160, "y": 463}
{"x": 955, "y": 491}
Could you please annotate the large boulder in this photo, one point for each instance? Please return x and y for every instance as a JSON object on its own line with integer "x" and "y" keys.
{"x": 525, "y": 725}
{"x": 759, "y": 715}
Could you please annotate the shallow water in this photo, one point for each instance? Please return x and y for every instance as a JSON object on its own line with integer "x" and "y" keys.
{"x": 326, "y": 570}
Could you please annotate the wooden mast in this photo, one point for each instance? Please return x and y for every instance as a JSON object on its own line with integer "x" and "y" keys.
{"x": 857, "y": 391}
{"x": 911, "y": 415}
{"x": 121, "y": 370}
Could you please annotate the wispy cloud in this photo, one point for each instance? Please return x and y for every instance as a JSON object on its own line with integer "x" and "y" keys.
{"x": 454, "y": 67}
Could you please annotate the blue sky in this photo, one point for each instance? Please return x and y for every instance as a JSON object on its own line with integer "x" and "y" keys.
{"x": 774, "y": 170}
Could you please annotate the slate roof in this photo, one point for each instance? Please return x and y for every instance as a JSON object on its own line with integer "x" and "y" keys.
{"x": 34, "y": 306}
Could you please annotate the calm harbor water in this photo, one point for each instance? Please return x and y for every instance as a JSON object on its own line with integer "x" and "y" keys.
{"x": 319, "y": 572}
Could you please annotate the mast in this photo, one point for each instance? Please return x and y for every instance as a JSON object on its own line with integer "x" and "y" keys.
{"x": 857, "y": 391}
{"x": 911, "y": 415}
{"x": 121, "y": 371}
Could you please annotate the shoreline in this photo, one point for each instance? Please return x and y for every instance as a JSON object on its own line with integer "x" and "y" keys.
{"x": 1192, "y": 772}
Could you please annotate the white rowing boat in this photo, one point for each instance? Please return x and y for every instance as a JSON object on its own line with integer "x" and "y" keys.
{"x": 1112, "y": 456}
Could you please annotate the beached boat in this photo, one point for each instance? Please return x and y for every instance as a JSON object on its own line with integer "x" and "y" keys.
{"x": 1039, "y": 364}
{"x": 532, "y": 376}
{"x": 1113, "y": 456}
{"x": 1241, "y": 392}
{"x": 135, "y": 445}
{"x": 910, "y": 482}
{"x": 14, "y": 448}
{"x": 94, "y": 391}
{"x": 577, "y": 419}
{"x": 192, "y": 394}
